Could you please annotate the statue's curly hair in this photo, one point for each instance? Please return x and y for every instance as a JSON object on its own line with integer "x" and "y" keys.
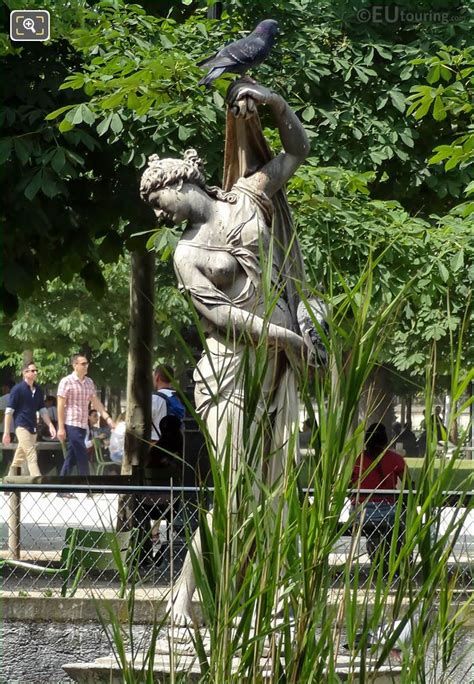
{"x": 163, "y": 173}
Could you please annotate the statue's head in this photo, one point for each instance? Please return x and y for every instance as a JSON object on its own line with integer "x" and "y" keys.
{"x": 173, "y": 173}
{"x": 164, "y": 173}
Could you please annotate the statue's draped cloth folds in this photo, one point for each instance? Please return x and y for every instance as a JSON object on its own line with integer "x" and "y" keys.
{"x": 260, "y": 236}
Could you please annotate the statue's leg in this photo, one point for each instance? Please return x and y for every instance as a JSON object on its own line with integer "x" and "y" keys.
{"x": 180, "y": 602}
{"x": 223, "y": 423}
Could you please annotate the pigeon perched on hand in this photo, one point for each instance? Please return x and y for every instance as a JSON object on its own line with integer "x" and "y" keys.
{"x": 241, "y": 55}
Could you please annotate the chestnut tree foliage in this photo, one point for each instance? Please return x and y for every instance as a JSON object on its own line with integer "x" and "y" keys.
{"x": 387, "y": 106}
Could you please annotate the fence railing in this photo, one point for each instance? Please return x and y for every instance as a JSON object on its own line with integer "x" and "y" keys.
{"x": 56, "y": 539}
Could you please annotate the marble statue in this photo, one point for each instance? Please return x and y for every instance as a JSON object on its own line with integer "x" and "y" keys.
{"x": 239, "y": 261}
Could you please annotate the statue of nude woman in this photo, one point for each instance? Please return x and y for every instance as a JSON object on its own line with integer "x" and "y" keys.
{"x": 239, "y": 261}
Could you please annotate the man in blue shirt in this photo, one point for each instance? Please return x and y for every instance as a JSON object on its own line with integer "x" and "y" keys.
{"x": 26, "y": 399}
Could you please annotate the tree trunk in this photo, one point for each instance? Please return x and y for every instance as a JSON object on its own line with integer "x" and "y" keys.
{"x": 115, "y": 406}
{"x": 140, "y": 360}
{"x": 403, "y": 406}
{"x": 379, "y": 399}
{"x": 27, "y": 356}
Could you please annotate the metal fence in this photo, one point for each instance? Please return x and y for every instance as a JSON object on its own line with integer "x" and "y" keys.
{"x": 42, "y": 552}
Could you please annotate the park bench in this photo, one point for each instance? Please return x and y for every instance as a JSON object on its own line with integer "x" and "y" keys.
{"x": 84, "y": 550}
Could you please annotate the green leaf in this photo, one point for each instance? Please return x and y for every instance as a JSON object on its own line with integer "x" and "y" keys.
{"x": 49, "y": 185}
{"x": 75, "y": 81}
{"x": 218, "y": 99}
{"x": 433, "y": 74}
{"x": 65, "y": 126}
{"x": 88, "y": 115}
{"x": 34, "y": 185}
{"x": 127, "y": 156}
{"x": 202, "y": 30}
{"x": 453, "y": 162}
{"x": 167, "y": 44}
{"x": 113, "y": 100}
{"x": 421, "y": 108}
{"x": 22, "y": 149}
{"x": 406, "y": 73}
{"x": 308, "y": 113}
{"x": 58, "y": 112}
{"x": 377, "y": 157}
{"x": 75, "y": 116}
{"x": 5, "y": 149}
{"x": 398, "y": 100}
{"x": 58, "y": 160}
{"x": 103, "y": 127}
{"x": 184, "y": 132}
{"x": 439, "y": 111}
{"x": 209, "y": 113}
{"x": 80, "y": 114}
{"x": 442, "y": 153}
{"x": 116, "y": 123}
{"x": 443, "y": 271}
{"x": 457, "y": 261}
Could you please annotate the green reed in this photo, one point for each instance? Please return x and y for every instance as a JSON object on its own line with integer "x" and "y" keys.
{"x": 270, "y": 587}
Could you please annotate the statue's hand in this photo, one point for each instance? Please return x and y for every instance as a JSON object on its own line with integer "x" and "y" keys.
{"x": 244, "y": 98}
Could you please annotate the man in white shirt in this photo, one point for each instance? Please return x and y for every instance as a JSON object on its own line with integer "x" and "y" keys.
{"x": 162, "y": 382}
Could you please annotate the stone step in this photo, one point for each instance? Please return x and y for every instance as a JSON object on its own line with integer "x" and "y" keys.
{"x": 107, "y": 671}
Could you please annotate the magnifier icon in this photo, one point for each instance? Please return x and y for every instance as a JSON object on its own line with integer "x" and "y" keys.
{"x": 29, "y": 25}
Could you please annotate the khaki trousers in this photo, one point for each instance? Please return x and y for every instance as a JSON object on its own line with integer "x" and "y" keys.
{"x": 26, "y": 451}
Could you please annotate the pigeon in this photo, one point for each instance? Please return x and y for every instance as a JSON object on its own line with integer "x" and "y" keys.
{"x": 307, "y": 314}
{"x": 242, "y": 54}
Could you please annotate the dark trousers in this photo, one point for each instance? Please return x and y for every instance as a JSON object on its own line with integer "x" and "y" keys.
{"x": 76, "y": 451}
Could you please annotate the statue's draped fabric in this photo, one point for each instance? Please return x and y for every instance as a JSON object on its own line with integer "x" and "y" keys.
{"x": 260, "y": 236}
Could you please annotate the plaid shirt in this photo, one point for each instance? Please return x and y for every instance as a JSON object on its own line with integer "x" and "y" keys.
{"x": 77, "y": 395}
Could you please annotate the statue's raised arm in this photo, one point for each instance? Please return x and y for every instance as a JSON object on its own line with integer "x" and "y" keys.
{"x": 244, "y": 98}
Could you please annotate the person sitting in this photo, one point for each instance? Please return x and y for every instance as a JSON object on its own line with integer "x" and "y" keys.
{"x": 408, "y": 439}
{"x": 117, "y": 440}
{"x": 396, "y": 430}
{"x": 378, "y": 468}
{"x": 92, "y": 433}
{"x": 51, "y": 404}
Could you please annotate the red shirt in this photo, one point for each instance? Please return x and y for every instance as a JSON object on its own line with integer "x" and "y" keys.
{"x": 384, "y": 475}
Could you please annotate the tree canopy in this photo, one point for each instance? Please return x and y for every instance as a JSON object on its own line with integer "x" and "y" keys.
{"x": 387, "y": 106}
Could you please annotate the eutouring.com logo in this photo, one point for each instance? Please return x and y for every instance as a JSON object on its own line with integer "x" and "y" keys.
{"x": 394, "y": 14}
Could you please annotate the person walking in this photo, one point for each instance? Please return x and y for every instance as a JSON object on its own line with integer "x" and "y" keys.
{"x": 164, "y": 400}
{"x": 25, "y": 400}
{"x": 75, "y": 392}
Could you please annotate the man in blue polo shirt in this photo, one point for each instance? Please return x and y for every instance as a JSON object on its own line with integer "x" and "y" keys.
{"x": 26, "y": 399}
